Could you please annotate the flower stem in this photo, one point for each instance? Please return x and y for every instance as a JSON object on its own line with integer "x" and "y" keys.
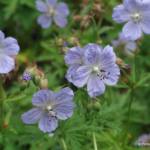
{"x": 64, "y": 144}
{"x": 2, "y": 97}
{"x": 94, "y": 142}
{"x": 132, "y": 88}
{"x": 2, "y": 91}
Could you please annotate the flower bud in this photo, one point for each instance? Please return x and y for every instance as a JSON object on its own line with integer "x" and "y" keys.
{"x": 44, "y": 83}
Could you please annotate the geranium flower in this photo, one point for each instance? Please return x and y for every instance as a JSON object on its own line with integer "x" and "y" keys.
{"x": 137, "y": 15}
{"x": 49, "y": 107}
{"x": 52, "y": 11}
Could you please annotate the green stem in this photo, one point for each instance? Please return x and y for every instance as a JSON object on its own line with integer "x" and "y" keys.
{"x": 64, "y": 144}
{"x": 94, "y": 142}
{"x": 2, "y": 97}
{"x": 2, "y": 91}
{"x": 130, "y": 101}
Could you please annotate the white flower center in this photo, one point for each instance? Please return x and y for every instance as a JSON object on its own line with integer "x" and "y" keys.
{"x": 49, "y": 107}
{"x": 96, "y": 69}
{"x": 136, "y": 17}
{"x": 51, "y": 11}
{"x": 50, "y": 111}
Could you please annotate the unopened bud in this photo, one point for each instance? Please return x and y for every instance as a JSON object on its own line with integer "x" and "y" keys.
{"x": 44, "y": 83}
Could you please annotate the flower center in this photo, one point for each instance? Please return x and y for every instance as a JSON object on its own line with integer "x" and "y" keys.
{"x": 51, "y": 11}
{"x": 49, "y": 108}
{"x": 136, "y": 17}
{"x": 50, "y": 111}
{"x": 96, "y": 69}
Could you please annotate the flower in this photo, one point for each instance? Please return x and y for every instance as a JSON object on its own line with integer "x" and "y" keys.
{"x": 95, "y": 68}
{"x": 26, "y": 76}
{"x": 52, "y": 10}
{"x": 49, "y": 107}
{"x": 9, "y": 48}
{"x": 129, "y": 45}
{"x": 143, "y": 140}
{"x": 137, "y": 15}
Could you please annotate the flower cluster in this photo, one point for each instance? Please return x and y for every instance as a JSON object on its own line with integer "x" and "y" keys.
{"x": 52, "y": 11}
{"x": 49, "y": 107}
{"x": 94, "y": 66}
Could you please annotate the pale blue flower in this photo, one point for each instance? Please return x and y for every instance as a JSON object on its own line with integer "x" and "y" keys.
{"x": 49, "y": 107}
{"x": 130, "y": 46}
{"x": 94, "y": 67}
{"x": 52, "y": 11}
{"x": 137, "y": 15}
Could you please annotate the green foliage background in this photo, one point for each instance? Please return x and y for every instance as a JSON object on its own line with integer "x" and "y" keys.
{"x": 100, "y": 124}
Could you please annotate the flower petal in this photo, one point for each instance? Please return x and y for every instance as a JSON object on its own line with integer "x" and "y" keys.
{"x": 134, "y": 5}
{"x": 74, "y": 56}
{"x": 63, "y": 104}
{"x": 131, "y": 46}
{"x": 130, "y": 5}
{"x": 60, "y": 20}
{"x": 145, "y": 24}
{"x": 65, "y": 94}
{"x": 51, "y": 2}
{"x": 62, "y": 9}
{"x": 42, "y": 97}
{"x": 95, "y": 86}
{"x": 92, "y": 54}
{"x": 48, "y": 124}
{"x": 41, "y": 6}
{"x": 32, "y": 116}
{"x": 11, "y": 46}
{"x": 112, "y": 75}
{"x": 132, "y": 31}
{"x": 44, "y": 21}
{"x": 64, "y": 110}
{"x": 81, "y": 76}
{"x": 120, "y": 14}
{"x": 7, "y": 64}
{"x": 108, "y": 53}
{"x": 2, "y": 36}
{"x": 71, "y": 71}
